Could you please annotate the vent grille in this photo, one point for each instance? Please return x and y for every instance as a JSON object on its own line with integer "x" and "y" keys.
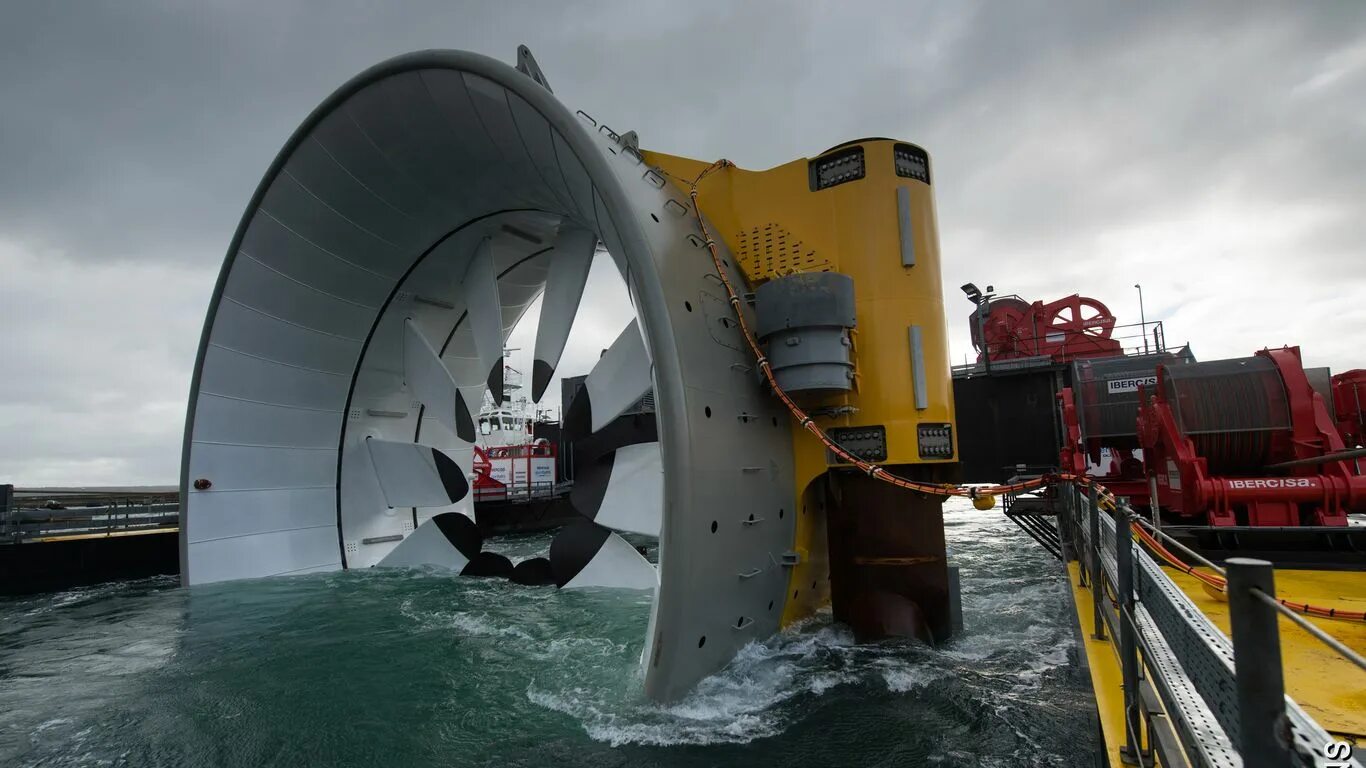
{"x": 770, "y": 251}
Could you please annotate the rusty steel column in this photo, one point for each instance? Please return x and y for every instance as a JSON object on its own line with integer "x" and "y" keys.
{"x": 889, "y": 574}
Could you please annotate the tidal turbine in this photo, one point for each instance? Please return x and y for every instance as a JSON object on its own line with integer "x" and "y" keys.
{"x": 402, "y": 232}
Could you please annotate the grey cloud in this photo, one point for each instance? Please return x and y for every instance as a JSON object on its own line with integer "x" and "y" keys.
{"x": 1210, "y": 152}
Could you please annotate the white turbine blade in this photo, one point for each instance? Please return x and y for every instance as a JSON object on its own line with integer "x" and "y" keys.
{"x": 448, "y": 540}
{"x": 588, "y": 555}
{"x": 569, "y": 266}
{"x": 623, "y": 490}
{"x": 432, "y": 385}
{"x": 484, "y": 313}
{"x": 616, "y": 565}
{"x": 620, "y": 378}
{"x": 616, "y": 383}
{"x": 416, "y": 475}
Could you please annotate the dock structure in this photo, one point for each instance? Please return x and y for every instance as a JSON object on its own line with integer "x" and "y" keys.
{"x": 56, "y": 538}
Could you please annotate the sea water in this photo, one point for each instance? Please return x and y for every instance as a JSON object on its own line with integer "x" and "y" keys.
{"x": 423, "y": 668}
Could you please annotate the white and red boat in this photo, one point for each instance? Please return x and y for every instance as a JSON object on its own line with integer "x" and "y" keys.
{"x": 512, "y": 464}
{"x": 509, "y": 461}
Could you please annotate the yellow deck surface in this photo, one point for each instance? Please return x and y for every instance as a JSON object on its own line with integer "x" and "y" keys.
{"x": 1330, "y": 689}
{"x": 1106, "y": 678}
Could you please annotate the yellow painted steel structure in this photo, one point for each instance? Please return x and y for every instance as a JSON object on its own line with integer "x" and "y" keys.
{"x": 776, "y": 224}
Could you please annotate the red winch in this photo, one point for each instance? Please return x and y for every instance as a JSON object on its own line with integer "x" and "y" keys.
{"x": 1349, "y": 399}
{"x": 1099, "y": 417}
{"x": 1071, "y": 327}
{"x": 1246, "y": 442}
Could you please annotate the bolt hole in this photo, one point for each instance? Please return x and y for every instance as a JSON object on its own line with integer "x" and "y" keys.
{"x": 775, "y": 421}
{"x": 708, "y": 410}
{"x": 770, "y": 605}
{"x": 687, "y": 305}
{"x": 751, "y": 517}
{"x": 780, "y": 513}
{"x": 813, "y": 585}
{"x": 701, "y": 641}
{"x": 795, "y": 592}
{"x": 713, "y": 526}
{"x": 656, "y": 218}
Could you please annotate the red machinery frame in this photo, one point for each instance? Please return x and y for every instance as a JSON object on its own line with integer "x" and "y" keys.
{"x": 1071, "y": 327}
{"x": 1312, "y": 493}
{"x": 1349, "y": 400}
{"x": 1124, "y": 476}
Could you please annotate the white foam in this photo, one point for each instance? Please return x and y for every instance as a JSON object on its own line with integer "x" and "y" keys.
{"x": 468, "y": 623}
{"x": 737, "y": 705}
{"x": 1017, "y": 632}
{"x": 903, "y": 678}
{"x": 53, "y": 723}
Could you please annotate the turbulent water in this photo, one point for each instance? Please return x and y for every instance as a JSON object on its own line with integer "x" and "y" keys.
{"x": 428, "y": 669}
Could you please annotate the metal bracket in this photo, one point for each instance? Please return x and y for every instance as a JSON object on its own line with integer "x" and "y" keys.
{"x": 526, "y": 64}
{"x": 832, "y": 411}
{"x": 791, "y": 559}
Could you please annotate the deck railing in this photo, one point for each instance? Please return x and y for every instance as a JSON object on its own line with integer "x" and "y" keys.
{"x": 32, "y": 515}
{"x": 1192, "y": 695}
{"x": 1134, "y": 339}
{"x": 524, "y": 492}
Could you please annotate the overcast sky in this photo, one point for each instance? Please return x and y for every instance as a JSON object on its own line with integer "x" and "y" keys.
{"x": 1215, "y": 154}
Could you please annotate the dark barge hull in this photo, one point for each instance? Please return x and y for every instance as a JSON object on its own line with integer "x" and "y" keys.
{"x": 52, "y": 565}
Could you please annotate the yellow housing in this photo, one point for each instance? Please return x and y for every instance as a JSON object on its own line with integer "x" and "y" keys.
{"x": 776, "y": 224}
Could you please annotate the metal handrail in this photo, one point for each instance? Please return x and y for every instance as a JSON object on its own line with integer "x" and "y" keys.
{"x": 522, "y": 491}
{"x": 1141, "y": 333}
{"x": 1311, "y": 628}
{"x": 1262, "y": 724}
{"x": 33, "y": 514}
{"x": 1308, "y": 626}
{"x": 1195, "y": 555}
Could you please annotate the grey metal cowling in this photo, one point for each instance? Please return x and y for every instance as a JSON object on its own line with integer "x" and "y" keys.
{"x": 804, "y": 322}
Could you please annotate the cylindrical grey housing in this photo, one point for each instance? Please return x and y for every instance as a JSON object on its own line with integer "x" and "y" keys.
{"x": 804, "y": 323}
